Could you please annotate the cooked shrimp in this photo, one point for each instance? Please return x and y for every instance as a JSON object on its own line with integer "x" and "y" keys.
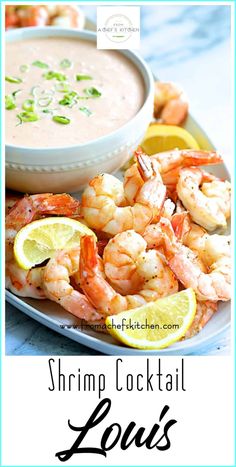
{"x": 104, "y": 201}
{"x": 30, "y": 208}
{"x": 22, "y": 212}
{"x": 67, "y": 16}
{"x": 168, "y": 208}
{"x": 153, "y": 236}
{"x": 170, "y": 103}
{"x": 11, "y": 17}
{"x": 195, "y": 237}
{"x": 24, "y": 283}
{"x": 189, "y": 233}
{"x": 213, "y": 285}
{"x": 57, "y": 287}
{"x": 41, "y": 15}
{"x": 33, "y": 15}
{"x": 208, "y": 203}
{"x": 171, "y": 162}
{"x": 205, "y": 311}
{"x": 130, "y": 268}
{"x": 10, "y": 200}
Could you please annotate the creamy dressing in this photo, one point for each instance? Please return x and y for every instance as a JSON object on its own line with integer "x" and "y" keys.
{"x": 113, "y": 76}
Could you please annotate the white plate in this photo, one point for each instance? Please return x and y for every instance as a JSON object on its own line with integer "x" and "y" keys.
{"x": 53, "y": 316}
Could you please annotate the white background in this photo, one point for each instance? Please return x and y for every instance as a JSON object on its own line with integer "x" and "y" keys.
{"x": 35, "y": 419}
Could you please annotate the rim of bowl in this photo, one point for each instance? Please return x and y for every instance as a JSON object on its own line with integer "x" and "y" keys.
{"x": 136, "y": 59}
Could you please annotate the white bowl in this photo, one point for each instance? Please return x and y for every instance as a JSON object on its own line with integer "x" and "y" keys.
{"x": 33, "y": 170}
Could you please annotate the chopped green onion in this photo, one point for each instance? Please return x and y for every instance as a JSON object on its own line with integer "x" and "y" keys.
{"x": 16, "y": 92}
{"x": 27, "y": 117}
{"x": 62, "y": 87}
{"x": 69, "y": 98}
{"x": 40, "y": 64}
{"x": 44, "y": 101}
{"x": 33, "y": 90}
{"x": 10, "y": 102}
{"x": 24, "y": 68}
{"x": 65, "y": 63}
{"x": 29, "y": 105}
{"x": 13, "y": 79}
{"x": 92, "y": 92}
{"x": 54, "y": 75}
{"x": 47, "y": 111}
{"x": 86, "y": 111}
{"x": 61, "y": 119}
{"x": 83, "y": 77}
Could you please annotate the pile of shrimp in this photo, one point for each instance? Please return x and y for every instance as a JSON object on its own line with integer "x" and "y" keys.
{"x": 19, "y": 16}
{"x": 156, "y": 235}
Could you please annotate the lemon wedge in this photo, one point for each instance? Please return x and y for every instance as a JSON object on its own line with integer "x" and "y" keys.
{"x": 156, "y": 324}
{"x": 160, "y": 138}
{"x": 38, "y": 240}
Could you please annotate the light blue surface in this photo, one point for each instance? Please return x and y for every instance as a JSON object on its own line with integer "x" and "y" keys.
{"x": 187, "y": 44}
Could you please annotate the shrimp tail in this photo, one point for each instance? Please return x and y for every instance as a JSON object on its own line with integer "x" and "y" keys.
{"x": 194, "y": 157}
{"x": 32, "y": 207}
{"x": 94, "y": 286}
{"x": 181, "y": 224}
{"x": 59, "y": 204}
{"x": 146, "y": 166}
{"x": 88, "y": 256}
{"x": 170, "y": 243}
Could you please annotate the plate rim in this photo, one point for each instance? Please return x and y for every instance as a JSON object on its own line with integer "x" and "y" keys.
{"x": 188, "y": 347}
{"x": 107, "y": 348}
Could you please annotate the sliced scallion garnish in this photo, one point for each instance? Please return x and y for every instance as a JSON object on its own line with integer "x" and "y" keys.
{"x": 40, "y": 64}
{"x": 13, "y": 79}
{"x": 44, "y": 101}
{"x": 27, "y": 117}
{"x": 24, "y": 68}
{"x": 55, "y": 75}
{"x": 86, "y": 111}
{"x": 81, "y": 77}
{"x": 47, "y": 111}
{"x": 33, "y": 90}
{"x": 16, "y": 92}
{"x": 66, "y": 63}
{"x": 10, "y": 102}
{"x": 61, "y": 119}
{"x": 62, "y": 87}
{"x": 92, "y": 92}
{"x": 69, "y": 98}
{"x": 28, "y": 105}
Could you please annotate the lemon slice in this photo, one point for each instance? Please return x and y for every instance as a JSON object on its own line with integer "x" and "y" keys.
{"x": 160, "y": 138}
{"x": 38, "y": 240}
{"x": 161, "y": 323}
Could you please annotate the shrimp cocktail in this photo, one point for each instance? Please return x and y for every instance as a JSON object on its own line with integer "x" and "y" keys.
{"x": 151, "y": 248}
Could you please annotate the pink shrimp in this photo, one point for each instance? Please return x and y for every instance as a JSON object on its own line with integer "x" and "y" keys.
{"x": 205, "y": 197}
{"x": 57, "y": 287}
{"x": 144, "y": 275}
{"x": 171, "y": 162}
{"x": 105, "y": 201}
{"x": 33, "y": 15}
{"x": 22, "y": 212}
{"x": 170, "y": 103}
{"x": 212, "y": 284}
{"x": 30, "y": 208}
